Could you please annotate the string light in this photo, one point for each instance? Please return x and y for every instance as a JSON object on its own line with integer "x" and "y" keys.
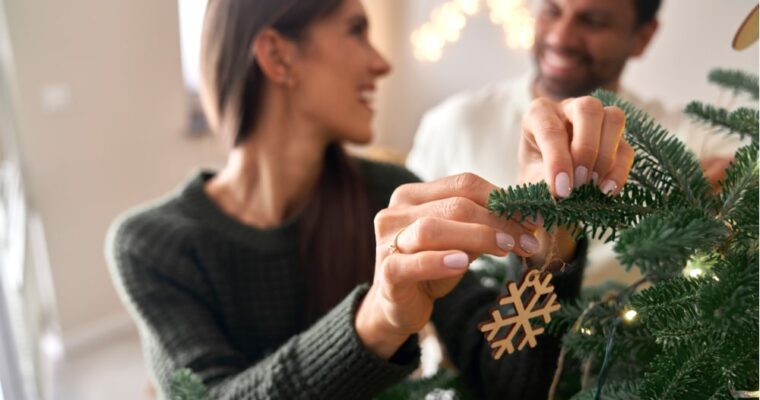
{"x": 630, "y": 315}
{"x": 696, "y": 272}
{"x": 699, "y": 266}
{"x": 516, "y": 21}
{"x": 447, "y": 22}
{"x": 587, "y": 331}
{"x": 469, "y": 7}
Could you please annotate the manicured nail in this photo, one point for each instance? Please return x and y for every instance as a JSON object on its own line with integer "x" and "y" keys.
{"x": 562, "y": 184}
{"x": 504, "y": 241}
{"x": 456, "y": 261}
{"x": 595, "y": 177}
{"x": 581, "y": 176}
{"x": 609, "y": 186}
{"x": 529, "y": 243}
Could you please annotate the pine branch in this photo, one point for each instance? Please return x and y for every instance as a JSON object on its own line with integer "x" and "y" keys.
{"x": 738, "y": 81}
{"x": 582, "y": 317}
{"x": 186, "y": 385}
{"x": 662, "y": 243}
{"x": 632, "y": 341}
{"x": 662, "y": 163}
{"x": 685, "y": 373}
{"x": 739, "y": 195}
{"x": 587, "y": 205}
{"x": 742, "y": 121}
{"x": 740, "y": 369}
{"x": 596, "y": 303}
{"x": 681, "y": 333}
{"x": 668, "y": 301}
{"x": 730, "y": 301}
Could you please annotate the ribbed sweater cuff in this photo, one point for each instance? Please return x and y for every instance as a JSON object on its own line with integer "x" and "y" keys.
{"x": 354, "y": 371}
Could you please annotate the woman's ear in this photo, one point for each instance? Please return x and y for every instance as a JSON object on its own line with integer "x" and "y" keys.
{"x": 273, "y": 54}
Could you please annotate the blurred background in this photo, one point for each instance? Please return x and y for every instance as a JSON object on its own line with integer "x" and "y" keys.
{"x": 98, "y": 112}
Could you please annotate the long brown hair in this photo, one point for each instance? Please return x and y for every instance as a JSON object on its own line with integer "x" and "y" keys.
{"x": 336, "y": 236}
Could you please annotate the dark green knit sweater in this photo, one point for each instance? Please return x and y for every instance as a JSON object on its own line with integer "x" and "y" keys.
{"x": 221, "y": 298}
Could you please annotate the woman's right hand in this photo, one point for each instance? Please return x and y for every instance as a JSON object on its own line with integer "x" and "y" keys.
{"x": 438, "y": 227}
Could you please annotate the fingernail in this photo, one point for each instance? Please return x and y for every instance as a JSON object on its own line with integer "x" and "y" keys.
{"x": 504, "y": 241}
{"x": 562, "y": 184}
{"x": 595, "y": 177}
{"x": 456, "y": 261}
{"x": 581, "y": 176}
{"x": 529, "y": 243}
{"x": 609, "y": 186}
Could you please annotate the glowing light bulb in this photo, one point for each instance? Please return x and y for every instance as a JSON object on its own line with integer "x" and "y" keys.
{"x": 696, "y": 273}
{"x": 447, "y": 22}
{"x": 469, "y": 7}
{"x": 428, "y": 43}
{"x": 630, "y": 315}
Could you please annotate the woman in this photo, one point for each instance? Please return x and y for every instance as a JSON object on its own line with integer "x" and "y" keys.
{"x": 255, "y": 277}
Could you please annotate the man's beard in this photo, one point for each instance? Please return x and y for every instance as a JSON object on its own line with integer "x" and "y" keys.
{"x": 567, "y": 87}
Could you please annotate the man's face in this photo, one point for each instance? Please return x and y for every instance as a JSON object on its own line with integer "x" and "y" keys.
{"x": 584, "y": 44}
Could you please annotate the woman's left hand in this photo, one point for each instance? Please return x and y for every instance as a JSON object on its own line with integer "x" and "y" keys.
{"x": 569, "y": 144}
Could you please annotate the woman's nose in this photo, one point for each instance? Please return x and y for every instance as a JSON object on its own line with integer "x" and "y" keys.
{"x": 380, "y": 66}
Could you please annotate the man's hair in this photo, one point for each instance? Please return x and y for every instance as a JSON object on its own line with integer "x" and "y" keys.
{"x": 646, "y": 10}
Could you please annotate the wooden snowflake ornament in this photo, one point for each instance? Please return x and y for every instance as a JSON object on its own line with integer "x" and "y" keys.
{"x": 536, "y": 286}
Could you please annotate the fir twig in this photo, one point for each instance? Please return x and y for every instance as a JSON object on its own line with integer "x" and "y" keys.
{"x": 738, "y": 81}
{"x": 671, "y": 300}
{"x": 742, "y": 121}
{"x": 663, "y": 164}
{"x": 739, "y": 190}
{"x": 662, "y": 243}
{"x": 598, "y": 213}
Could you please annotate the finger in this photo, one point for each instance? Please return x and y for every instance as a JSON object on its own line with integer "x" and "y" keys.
{"x": 545, "y": 126}
{"x": 612, "y": 134}
{"x": 465, "y": 210}
{"x": 399, "y": 269}
{"x": 530, "y": 222}
{"x": 465, "y": 185}
{"x": 586, "y": 114}
{"x": 430, "y": 233}
{"x": 390, "y": 221}
{"x": 613, "y": 182}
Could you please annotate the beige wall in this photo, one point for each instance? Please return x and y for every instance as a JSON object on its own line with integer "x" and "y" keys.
{"x": 120, "y": 141}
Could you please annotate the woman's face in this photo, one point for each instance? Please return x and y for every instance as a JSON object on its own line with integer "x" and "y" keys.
{"x": 335, "y": 73}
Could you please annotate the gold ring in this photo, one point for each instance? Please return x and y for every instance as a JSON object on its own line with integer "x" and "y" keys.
{"x": 394, "y": 246}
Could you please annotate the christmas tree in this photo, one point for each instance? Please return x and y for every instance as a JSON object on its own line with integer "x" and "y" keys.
{"x": 693, "y": 333}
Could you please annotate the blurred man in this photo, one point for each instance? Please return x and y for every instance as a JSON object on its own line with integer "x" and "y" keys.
{"x": 580, "y": 45}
